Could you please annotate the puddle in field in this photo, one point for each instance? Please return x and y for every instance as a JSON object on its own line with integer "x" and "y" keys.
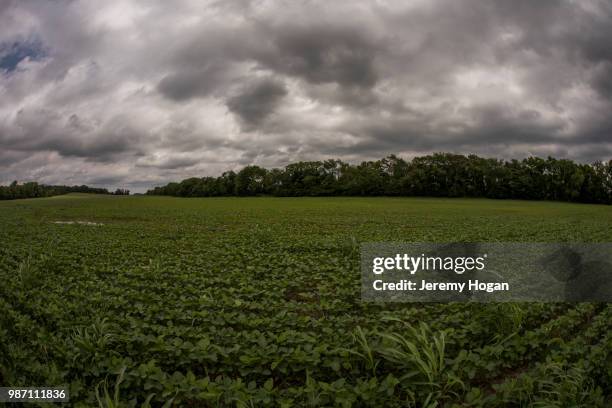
{"x": 77, "y": 222}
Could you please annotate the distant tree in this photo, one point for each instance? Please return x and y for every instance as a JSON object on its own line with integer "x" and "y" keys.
{"x": 250, "y": 181}
{"x": 32, "y": 190}
{"x": 438, "y": 175}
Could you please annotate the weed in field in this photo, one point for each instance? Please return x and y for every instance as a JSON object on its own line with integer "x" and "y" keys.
{"x": 420, "y": 354}
{"x": 28, "y": 273}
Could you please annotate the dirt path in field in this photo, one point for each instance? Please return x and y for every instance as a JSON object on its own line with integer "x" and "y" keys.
{"x": 77, "y": 222}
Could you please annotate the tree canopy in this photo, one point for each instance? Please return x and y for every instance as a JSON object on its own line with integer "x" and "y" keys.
{"x": 437, "y": 175}
{"x": 32, "y": 190}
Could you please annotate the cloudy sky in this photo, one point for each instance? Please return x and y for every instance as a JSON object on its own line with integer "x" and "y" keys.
{"x": 137, "y": 93}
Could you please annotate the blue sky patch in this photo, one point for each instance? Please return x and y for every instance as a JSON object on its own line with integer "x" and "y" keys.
{"x": 12, "y": 54}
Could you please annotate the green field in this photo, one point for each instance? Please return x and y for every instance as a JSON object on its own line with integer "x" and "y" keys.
{"x": 256, "y": 302}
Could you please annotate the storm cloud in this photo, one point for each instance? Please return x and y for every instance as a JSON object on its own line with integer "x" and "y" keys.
{"x": 255, "y": 103}
{"x": 138, "y": 93}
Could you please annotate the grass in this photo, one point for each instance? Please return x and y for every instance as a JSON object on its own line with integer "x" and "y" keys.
{"x": 256, "y": 302}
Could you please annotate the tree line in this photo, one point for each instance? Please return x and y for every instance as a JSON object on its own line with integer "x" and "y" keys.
{"x": 32, "y": 190}
{"x": 437, "y": 175}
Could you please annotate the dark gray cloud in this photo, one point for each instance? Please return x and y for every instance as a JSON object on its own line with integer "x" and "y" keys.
{"x": 143, "y": 92}
{"x": 322, "y": 54}
{"x": 36, "y": 130}
{"x": 257, "y": 101}
{"x": 191, "y": 82}
{"x": 602, "y": 80}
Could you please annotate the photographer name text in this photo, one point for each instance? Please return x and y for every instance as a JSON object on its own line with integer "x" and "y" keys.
{"x": 471, "y": 285}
